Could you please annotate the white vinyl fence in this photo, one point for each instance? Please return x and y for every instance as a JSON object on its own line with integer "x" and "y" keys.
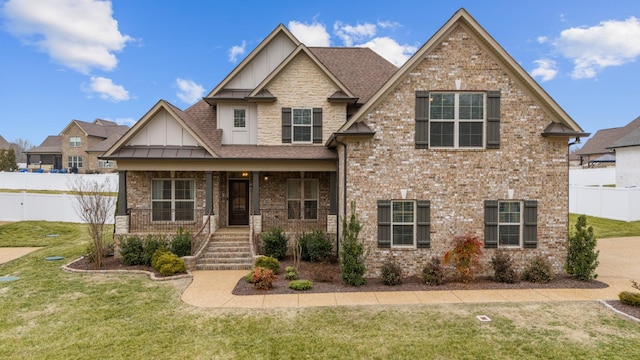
{"x": 605, "y": 202}
{"x": 601, "y": 176}
{"x": 23, "y": 206}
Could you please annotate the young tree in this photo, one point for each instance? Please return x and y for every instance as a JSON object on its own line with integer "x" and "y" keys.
{"x": 582, "y": 256}
{"x": 20, "y": 146}
{"x": 95, "y": 206}
{"x": 8, "y": 160}
{"x": 352, "y": 256}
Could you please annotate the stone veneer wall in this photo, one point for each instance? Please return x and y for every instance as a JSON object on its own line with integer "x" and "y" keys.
{"x": 301, "y": 85}
{"x": 458, "y": 181}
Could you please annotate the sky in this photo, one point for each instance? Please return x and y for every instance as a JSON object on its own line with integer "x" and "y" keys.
{"x": 62, "y": 60}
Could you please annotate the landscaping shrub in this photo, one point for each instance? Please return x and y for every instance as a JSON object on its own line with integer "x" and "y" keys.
{"x": 268, "y": 262}
{"x": 432, "y": 273}
{"x": 151, "y": 244}
{"x": 629, "y": 298}
{"x": 539, "y": 271}
{"x": 391, "y": 273}
{"x": 291, "y": 273}
{"x": 249, "y": 277}
{"x": 263, "y": 278}
{"x": 300, "y": 285}
{"x": 352, "y": 266}
{"x": 181, "y": 243}
{"x": 168, "y": 263}
{"x": 316, "y": 246}
{"x": 131, "y": 250}
{"x": 156, "y": 256}
{"x": 465, "y": 256}
{"x": 503, "y": 270}
{"x": 274, "y": 243}
{"x": 582, "y": 256}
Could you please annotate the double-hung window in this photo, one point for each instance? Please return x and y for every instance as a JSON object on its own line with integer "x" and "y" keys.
{"x": 239, "y": 118}
{"x": 75, "y": 141}
{"x": 302, "y": 199}
{"x": 74, "y": 161}
{"x": 509, "y": 223}
{"x": 302, "y": 125}
{"x": 456, "y": 120}
{"x": 173, "y": 200}
{"x": 403, "y": 223}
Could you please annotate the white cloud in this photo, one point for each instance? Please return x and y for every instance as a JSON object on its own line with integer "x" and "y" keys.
{"x": 542, "y": 39}
{"x": 126, "y": 121}
{"x": 389, "y": 49}
{"x": 611, "y": 43}
{"x": 107, "y": 90}
{"x": 310, "y": 34}
{"x": 79, "y": 34}
{"x": 236, "y": 51}
{"x": 350, "y": 34}
{"x": 189, "y": 91}
{"x": 546, "y": 69}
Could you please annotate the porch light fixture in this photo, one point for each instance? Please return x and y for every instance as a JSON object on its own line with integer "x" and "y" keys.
{"x": 245, "y": 174}
{"x": 510, "y": 193}
{"x": 403, "y": 193}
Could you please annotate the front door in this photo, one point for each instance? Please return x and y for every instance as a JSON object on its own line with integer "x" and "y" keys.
{"x": 238, "y": 202}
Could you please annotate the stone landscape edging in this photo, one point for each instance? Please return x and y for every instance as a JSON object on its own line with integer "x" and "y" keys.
{"x": 151, "y": 275}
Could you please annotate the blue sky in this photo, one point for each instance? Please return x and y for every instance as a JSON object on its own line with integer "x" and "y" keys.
{"x": 85, "y": 59}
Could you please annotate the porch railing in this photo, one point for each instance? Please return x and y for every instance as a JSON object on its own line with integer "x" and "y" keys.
{"x": 294, "y": 222}
{"x": 164, "y": 221}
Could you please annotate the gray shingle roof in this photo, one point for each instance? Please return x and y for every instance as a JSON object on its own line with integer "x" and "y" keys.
{"x": 4, "y": 144}
{"x": 51, "y": 145}
{"x": 631, "y": 139}
{"x": 602, "y": 140}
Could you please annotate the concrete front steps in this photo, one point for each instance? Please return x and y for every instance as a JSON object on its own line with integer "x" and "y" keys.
{"x": 229, "y": 249}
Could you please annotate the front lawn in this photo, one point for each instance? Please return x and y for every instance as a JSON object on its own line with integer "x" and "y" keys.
{"x": 52, "y": 314}
{"x": 605, "y": 228}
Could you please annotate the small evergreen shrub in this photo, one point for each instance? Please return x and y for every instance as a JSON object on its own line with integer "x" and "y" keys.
{"x": 263, "y": 278}
{"x": 131, "y": 250}
{"x": 629, "y": 298}
{"x": 503, "y": 270}
{"x": 274, "y": 243}
{"x": 151, "y": 244}
{"x": 352, "y": 266}
{"x": 316, "y": 246}
{"x": 249, "y": 277}
{"x": 268, "y": 262}
{"x": 432, "y": 273}
{"x": 300, "y": 285}
{"x": 169, "y": 263}
{"x": 156, "y": 256}
{"x": 582, "y": 256}
{"x": 539, "y": 271}
{"x": 391, "y": 273}
{"x": 465, "y": 256}
{"x": 181, "y": 243}
{"x": 291, "y": 273}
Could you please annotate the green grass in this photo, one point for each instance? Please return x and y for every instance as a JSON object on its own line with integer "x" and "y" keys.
{"x": 52, "y": 314}
{"x": 605, "y": 228}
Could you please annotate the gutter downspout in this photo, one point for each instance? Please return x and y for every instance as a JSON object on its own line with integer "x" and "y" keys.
{"x": 344, "y": 193}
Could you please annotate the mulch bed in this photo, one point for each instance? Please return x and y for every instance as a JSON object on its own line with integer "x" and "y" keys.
{"x": 326, "y": 278}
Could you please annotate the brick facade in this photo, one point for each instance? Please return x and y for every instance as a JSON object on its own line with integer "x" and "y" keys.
{"x": 89, "y": 159}
{"x": 457, "y": 182}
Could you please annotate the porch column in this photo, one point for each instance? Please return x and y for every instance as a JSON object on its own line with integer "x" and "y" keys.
{"x": 208, "y": 192}
{"x": 255, "y": 198}
{"x": 122, "y": 193}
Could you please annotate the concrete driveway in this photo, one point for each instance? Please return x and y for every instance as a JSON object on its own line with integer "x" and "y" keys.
{"x": 619, "y": 263}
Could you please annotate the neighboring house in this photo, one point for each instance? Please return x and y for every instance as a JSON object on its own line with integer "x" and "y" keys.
{"x": 4, "y": 144}
{"x": 627, "y": 151}
{"x": 597, "y": 152}
{"x": 47, "y": 155}
{"x": 78, "y": 147}
{"x": 459, "y": 139}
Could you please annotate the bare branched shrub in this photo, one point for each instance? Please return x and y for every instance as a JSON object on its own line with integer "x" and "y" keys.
{"x": 95, "y": 206}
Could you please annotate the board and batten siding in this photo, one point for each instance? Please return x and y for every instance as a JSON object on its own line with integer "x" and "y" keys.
{"x": 164, "y": 130}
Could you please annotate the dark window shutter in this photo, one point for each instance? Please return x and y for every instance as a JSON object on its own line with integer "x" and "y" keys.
{"x": 424, "y": 224}
{"x": 317, "y": 125}
{"x": 384, "y": 223}
{"x": 422, "y": 119}
{"x": 493, "y": 120}
{"x": 530, "y": 231}
{"x": 286, "y": 125}
{"x": 490, "y": 224}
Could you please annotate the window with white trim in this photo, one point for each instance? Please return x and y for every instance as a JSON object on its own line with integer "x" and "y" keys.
{"x": 74, "y": 161}
{"x": 403, "y": 220}
{"x": 172, "y": 200}
{"x": 75, "y": 141}
{"x": 302, "y": 199}
{"x": 302, "y": 125}
{"x": 509, "y": 223}
{"x": 456, "y": 120}
{"x": 239, "y": 118}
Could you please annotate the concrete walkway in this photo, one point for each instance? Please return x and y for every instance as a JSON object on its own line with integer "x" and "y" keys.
{"x": 10, "y": 253}
{"x": 619, "y": 263}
